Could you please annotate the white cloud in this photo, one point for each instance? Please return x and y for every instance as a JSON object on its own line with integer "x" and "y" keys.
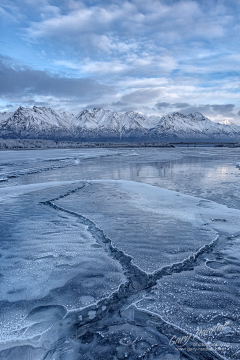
{"x": 168, "y": 22}
{"x": 127, "y": 65}
{"x": 181, "y": 51}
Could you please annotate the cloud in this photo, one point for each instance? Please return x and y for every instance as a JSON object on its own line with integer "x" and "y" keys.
{"x": 179, "y": 54}
{"x": 211, "y": 110}
{"x": 9, "y": 12}
{"x": 142, "y": 96}
{"x": 181, "y": 105}
{"x": 186, "y": 107}
{"x": 162, "y": 105}
{"x": 128, "y": 65}
{"x": 204, "y": 109}
{"x": 132, "y": 37}
{"x": 92, "y": 106}
{"x": 17, "y": 82}
{"x": 30, "y": 102}
{"x": 223, "y": 109}
{"x": 119, "y": 103}
{"x": 166, "y": 21}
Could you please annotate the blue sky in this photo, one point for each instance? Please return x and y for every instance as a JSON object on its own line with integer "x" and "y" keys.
{"x": 151, "y": 56}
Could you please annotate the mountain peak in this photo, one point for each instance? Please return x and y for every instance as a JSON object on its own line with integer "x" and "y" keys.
{"x": 197, "y": 116}
{"x": 20, "y": 108}
{"x": 226, "y": 122}
{"x": 97, "y": 109}
{"x": 100, "y": 124}
{"x": 176, "y": 113}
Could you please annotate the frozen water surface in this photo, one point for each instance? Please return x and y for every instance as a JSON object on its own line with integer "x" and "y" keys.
{"x": 143, "y": 220}
{"x": 111, "y": 253}
{"x": 50, "y": 265}
{"x": 203, "y": 298}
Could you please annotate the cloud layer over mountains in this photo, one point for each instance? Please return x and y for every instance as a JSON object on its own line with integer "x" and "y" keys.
{"x": 152, "y": 56}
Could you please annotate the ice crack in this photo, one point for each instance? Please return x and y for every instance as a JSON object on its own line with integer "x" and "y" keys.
{"x": 116, "y": 307}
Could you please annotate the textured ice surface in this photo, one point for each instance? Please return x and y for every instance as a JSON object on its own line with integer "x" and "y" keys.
{"x": 58, "y": 269}
{"x": 156, "y": 227}
{"x": 203, "y": 298}
{"x": 9, "y": 192}
{"x": 17, "y": 163}
{"x": 50, "y": 264}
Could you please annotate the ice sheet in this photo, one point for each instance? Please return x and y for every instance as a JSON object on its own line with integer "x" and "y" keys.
{"x": 179, "y": 227}
{"x": 202, "y": 300}
{"x": 50, "y": 264}
{"x": 156, "y": 227}
{"x": 16, "y": 191}
{"x": 27, "y": 156}
{"x": 155, "y": 236}
{"x": 25, "y": 163}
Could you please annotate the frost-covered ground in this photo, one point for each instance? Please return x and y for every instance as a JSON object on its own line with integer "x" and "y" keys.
{"x": 120, "y": 253}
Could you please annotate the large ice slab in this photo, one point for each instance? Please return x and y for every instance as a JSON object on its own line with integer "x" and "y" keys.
{"x": 156, "y": 227}
{"x": 159, "y": 228}
{"x": 50, "y": 264}
{"x": 205, "y": 301}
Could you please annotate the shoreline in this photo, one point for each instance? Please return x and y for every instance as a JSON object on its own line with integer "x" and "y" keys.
{"x": 38, "y": 144}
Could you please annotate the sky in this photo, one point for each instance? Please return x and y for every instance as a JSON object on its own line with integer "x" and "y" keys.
{"x": 150, "y": 56}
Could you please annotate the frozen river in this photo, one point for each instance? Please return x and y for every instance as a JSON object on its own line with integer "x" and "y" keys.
{"x": 120, "y": 253}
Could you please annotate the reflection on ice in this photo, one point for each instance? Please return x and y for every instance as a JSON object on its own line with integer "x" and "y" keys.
{"x": 20, "y": 163}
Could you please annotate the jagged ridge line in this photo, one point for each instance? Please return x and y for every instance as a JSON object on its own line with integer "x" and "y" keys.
{"x": 90, "y": 123}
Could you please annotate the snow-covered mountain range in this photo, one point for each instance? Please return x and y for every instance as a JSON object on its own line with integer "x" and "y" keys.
{"x": 105, "y": 125}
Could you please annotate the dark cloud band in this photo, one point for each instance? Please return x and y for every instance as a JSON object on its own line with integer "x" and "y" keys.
{"x": 22, "y": 81}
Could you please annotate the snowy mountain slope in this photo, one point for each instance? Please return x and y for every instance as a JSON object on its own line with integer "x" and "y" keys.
{"x": 5, "y": 115}
{"x": 195, "y": 126}
{"x": 39, "y": 115}
{"x": 231, "y": 125}
{"x": 106, "y": 119}
{"x": 35, "y": 122}
{"x": 100, "y": 124}
{"x": 105, "y": 124}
